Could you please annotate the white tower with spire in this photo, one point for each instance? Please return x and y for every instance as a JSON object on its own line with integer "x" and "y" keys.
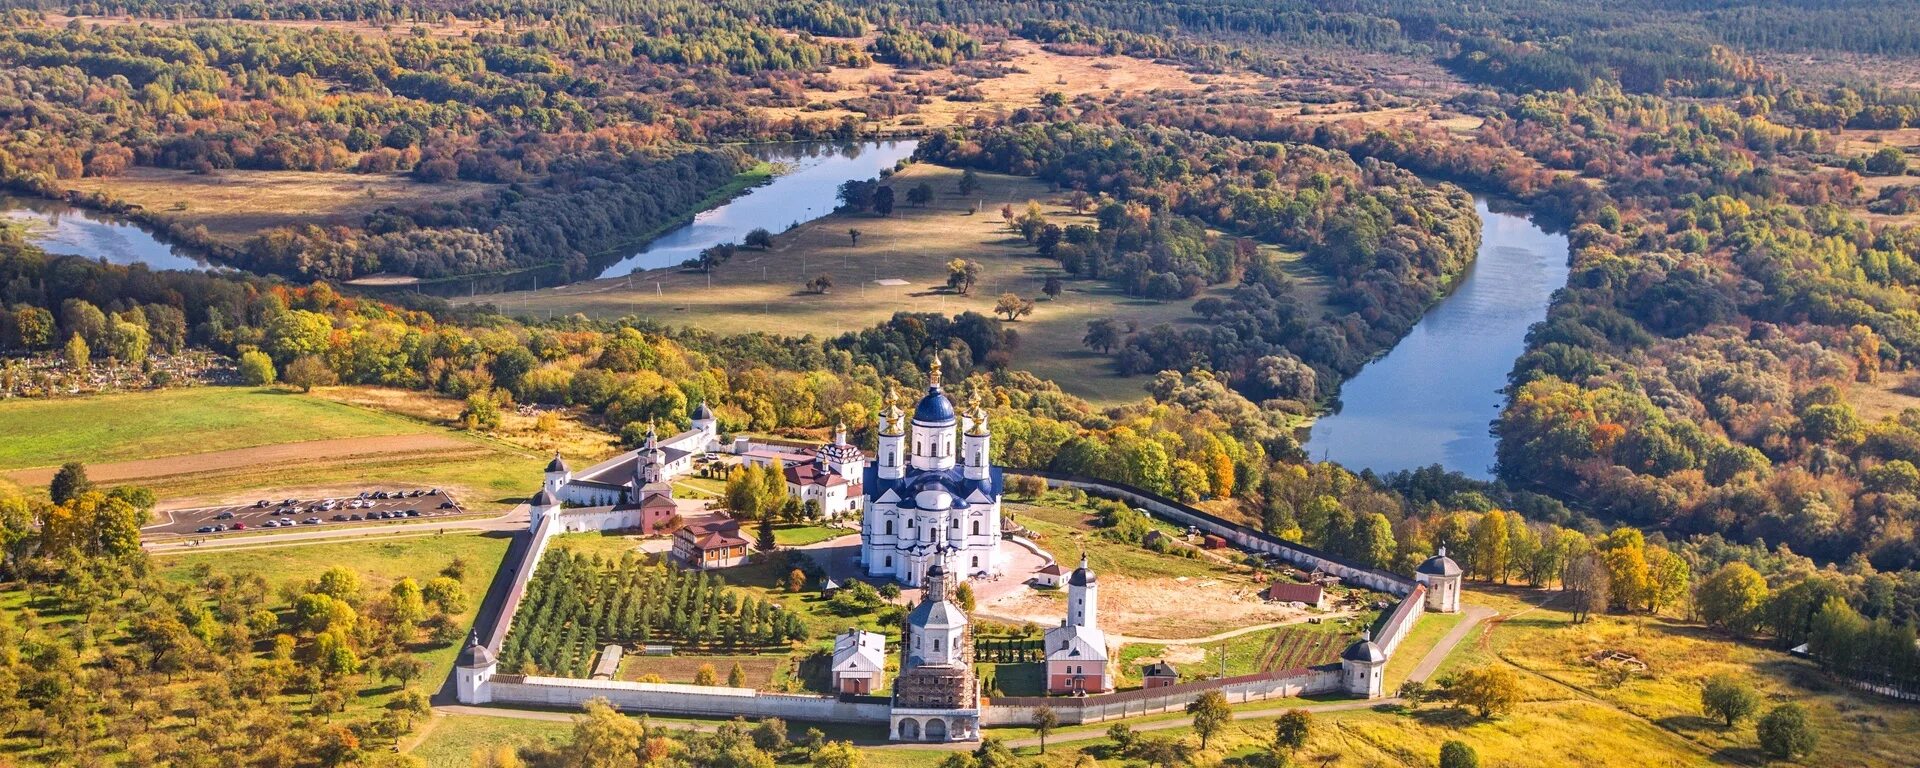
{"x": 1077, "y": 649}
{"x": 973, "y": 443}
{"x": 558, "y": 475}
{"x": 891, "y": 461}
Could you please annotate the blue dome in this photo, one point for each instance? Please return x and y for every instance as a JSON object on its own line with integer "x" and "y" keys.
{"x": 935, "y": 408}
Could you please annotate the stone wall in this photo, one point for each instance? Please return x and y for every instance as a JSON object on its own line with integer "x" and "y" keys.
{"x": 1298, "y": 555}
{"x": 1019, "y": 710}
{"x": 1395, "y": 625}
{"x": 696, "y": 700}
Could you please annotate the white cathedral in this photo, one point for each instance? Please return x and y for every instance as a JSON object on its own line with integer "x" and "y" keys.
{"x": 932, "y": 496}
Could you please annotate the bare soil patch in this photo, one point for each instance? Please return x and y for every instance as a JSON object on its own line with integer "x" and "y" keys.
{"x": 759, "y": 670}
{"x": 1157, "y": 608}
{"x": 239, "y": 459}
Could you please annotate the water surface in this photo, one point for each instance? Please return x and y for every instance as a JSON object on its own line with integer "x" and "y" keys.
{"x": 1434, "y": 396}
{"x": 807, "y": 188}
{"x": 60, "y": 228}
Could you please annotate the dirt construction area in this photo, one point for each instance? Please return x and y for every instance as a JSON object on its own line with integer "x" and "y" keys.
{"x": 1157, "y": 608}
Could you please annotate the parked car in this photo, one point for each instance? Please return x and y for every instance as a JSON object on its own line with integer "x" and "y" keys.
{"x": 263, "y": 503}
{"x": 446, "y": 505}
{"x": 338, "y": 518}
{"x": 219, "y": 528}
{"x": 205, "y": 529}
{"x": 434, "y": 492}
{"x": 224, "y": 516}
{"x": 353, "y": 517}
{"x": 310, "y": 521}
{"x": 239, "y": 526}
{"x": 270, "y": 524}
{"x": 413, "y": 513}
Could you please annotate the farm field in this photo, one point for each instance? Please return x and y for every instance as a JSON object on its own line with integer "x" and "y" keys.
{"x": 764, "y": 290}
{"x": 270, "y": 440}
{"x": 234, "y": 205}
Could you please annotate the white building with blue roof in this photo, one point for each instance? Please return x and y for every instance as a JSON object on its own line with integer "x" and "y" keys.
{"x": 932, "y": 495}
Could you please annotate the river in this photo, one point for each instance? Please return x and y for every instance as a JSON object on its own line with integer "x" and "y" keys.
{"x": 1433, "y": 398}
{"x": 64, "y": 229}
{"x": 807, "y": 188}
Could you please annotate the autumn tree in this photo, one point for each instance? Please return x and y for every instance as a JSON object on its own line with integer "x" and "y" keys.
{"x": 1728, "y": 699}
{"x": 1211, "y": 713}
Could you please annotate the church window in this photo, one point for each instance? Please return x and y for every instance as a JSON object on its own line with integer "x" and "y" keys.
{"x": 976, "y": 561}
{"x": 936, "y": 645}
{"x": 889, "y": 528}
{"x": 889, "y": 561}
{"x": 976, "y": 527}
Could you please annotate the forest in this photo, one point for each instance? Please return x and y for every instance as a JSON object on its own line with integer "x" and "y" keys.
{"x": 1391, "y": 242}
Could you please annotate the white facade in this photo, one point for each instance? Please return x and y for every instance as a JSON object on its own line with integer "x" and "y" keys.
{"x": 932, "y": 495}
{"x": 1077, "y": 649}
{"x": 859, "y": 661}
{"x": 1442, "y": 577}
{"x": 832, "y": 478}
{"x": 1363, "y": 668}
{"x": 621, "y": 479}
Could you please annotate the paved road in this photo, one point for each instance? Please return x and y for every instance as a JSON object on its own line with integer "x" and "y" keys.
{"x": 1432, "y": 661}
{"x": 513, "y": 520}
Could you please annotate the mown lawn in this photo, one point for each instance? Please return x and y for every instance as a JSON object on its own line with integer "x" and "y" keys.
{"x": 802, "y": 535}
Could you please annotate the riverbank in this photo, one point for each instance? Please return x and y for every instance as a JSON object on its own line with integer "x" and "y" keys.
{"x": 1432, "y": 398}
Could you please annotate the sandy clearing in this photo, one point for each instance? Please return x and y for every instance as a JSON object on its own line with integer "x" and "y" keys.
{"x": 1149, "y": 609}
{"x": 242, "y": 458}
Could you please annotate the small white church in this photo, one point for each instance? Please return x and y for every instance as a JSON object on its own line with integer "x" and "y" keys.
{"x": 631, "y": 491}
{"x": 932, "y": 496}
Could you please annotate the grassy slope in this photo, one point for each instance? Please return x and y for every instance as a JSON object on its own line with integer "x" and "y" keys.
{"x": 170, "y": 422}
{"x": 379, "y": 564}
{"x": 488, "y": 474}
{"x": 760, "y": 291}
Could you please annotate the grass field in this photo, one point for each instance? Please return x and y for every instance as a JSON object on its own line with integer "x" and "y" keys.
{"x": 762, "y": 671}
{"x": 144, "y": 425}
{"x": 204, "y": 445}
{"x": 802, "y": 535}
{"x": 451, "y": 740}
{"x": 763, "y": 290}
{"x": 235, "y": 205}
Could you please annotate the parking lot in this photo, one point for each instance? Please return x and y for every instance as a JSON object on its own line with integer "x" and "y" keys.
{"x": 390, "y": 504}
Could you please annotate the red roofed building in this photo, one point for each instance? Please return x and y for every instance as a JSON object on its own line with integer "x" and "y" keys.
{"x": 708, "y": 545}
{"x": 831, "y": 478}
{"x": 1311, "y": 594}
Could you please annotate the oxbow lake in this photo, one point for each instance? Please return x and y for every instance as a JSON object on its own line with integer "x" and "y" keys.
{"x": 1433, "y": 398}
{"x": 64, "y": 229}
{"x": 806, "y": 189}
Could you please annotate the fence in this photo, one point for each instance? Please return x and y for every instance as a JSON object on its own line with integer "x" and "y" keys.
{"x": 1299, "y": 555}
{"x": 695, "y": 700}
{"x": 1279, "y": 684}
